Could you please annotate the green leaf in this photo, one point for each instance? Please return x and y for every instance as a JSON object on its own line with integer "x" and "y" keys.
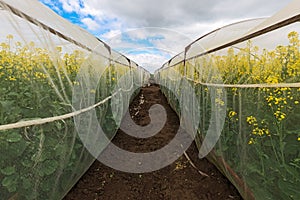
{"x": 26, "y": 163}
{"x": 267, "y": 143}
{"x": 253, "y": 168}
{"x": 41, "y": 156}
{"x": 48, "y": 184}
{"x": 65, "y": 181}
{"x": 8, "y": 171}
{"x": 48, "y": 167}
{"x": 58, "y": 125}
{"x": 10, "y": 182}
{"x": 6, "y": 105}
{"x": 77, "y": 146}
{"x": 260, "y": 192}
{"x": 14, "y": 94}
{"x": 26, "y": 183}
{"x": 13, "y": 137}
{"x": 7, "y": 181}
{"x": 11, "y": 151}
{"x": 291, "y": 190}
{"x": 292, "y": 171}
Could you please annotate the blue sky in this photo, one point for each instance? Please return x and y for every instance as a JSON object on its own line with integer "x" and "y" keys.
{"x": 151, "y": 32}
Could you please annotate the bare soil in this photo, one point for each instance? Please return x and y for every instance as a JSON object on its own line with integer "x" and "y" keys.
{"x": 180, "y": 180}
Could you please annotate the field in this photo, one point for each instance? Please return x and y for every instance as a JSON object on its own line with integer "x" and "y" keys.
{"x": 37, "y": 83}
{"x": 258, "y": 92}
{"x": 256, "y": 89}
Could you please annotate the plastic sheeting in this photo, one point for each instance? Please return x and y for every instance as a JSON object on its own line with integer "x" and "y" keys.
{"x": 57, "y": 82}
{"x": 247, "y": 87}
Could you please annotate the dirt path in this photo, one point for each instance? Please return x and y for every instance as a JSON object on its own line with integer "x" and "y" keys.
{"x": 177, "y": 181}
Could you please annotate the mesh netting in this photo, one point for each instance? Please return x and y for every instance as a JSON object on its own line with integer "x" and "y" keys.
{"x": 58, "y": 84}
{"x": 246, "y": 77}
{"x": 53, "y": 74}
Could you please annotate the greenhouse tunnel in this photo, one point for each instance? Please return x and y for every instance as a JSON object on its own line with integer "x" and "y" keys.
{"x": 65, "y": 93}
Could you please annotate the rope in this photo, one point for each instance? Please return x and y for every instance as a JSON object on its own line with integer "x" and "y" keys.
{"x": 56, "y": 118}
{"x": 60, "y": 117}
{"x": 263, "y": 85}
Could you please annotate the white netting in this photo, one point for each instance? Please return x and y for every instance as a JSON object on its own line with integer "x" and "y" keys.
{"x": 250, "y": 72}
{"x": 53, "y": 74}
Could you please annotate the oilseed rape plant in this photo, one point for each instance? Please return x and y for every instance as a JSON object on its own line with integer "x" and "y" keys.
{"x": 260, "y": 139}
{"x": 267, "y": 129}
{"x": 34, "y": 85}
{"x": 261, "y": 134}
{"x": 37, "y": 83}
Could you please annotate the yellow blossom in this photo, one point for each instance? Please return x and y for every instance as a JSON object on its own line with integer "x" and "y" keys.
{"x": 251, "y": 120}
{"x": 251, "y": 141}
{"x": 219, "y": 101}
{"x": 232, "y": 114}
{"x": 11, "y": 78}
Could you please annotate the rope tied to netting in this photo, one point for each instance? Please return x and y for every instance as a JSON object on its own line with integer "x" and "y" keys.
{"x": 259, "y": 85}
{"x": 22, "y": 124}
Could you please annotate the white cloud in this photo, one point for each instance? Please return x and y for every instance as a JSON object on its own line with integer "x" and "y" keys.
{"x": 191, "y": 17}
{"x": 182, "y": 16}
{"x": 149, "y": 61}
{"x": 184, "y": 20}
{"x": 169, "y": 13}
{"x": 149, "y": 47}
{"x": 90, "y": 23}
{"x": 70, "y": 5}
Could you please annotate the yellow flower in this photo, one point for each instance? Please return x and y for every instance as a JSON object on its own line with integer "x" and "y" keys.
{"x": 260, "y": 132}
{"x": 232, "y": 114}
{"x": 267, "y": 132}
{"x": 255, "y": 131}
{"x": 279, "y": 115}
{"x": 251, "y": 141}
{"x": 251, "y": 120}
{"x": 11, "y": 78}
{"x": 296, "y": 102}
{"x": 59, "y": 49}
{"x": 9, "y": 36}
{"x": 93, "y": 91}
{"x": 76, "y": 83}
{"x": 219, "y": 101}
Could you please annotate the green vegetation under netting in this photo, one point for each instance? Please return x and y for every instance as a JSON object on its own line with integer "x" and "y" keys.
{"x": 260, "y": 140}
{"x": 35, "y": 86}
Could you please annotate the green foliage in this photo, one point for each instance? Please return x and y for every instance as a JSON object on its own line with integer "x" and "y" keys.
{"x": 44, "y": 161}
{"x": 260, "y": 140}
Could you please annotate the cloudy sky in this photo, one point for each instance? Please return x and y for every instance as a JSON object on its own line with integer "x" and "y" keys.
{"x": 152, "y": 31}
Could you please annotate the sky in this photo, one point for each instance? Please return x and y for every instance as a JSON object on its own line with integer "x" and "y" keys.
{"x": 150, "y": 32}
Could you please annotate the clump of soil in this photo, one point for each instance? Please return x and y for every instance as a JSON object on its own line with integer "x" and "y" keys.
{"x": 180, "y": 180}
